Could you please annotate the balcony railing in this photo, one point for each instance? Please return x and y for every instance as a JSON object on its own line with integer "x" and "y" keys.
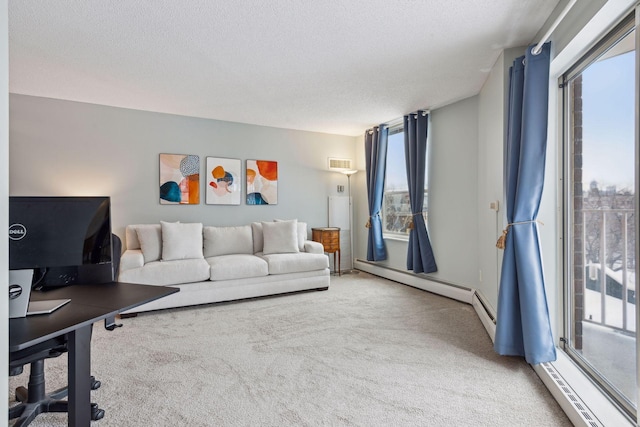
{"x": 609, "y": 259}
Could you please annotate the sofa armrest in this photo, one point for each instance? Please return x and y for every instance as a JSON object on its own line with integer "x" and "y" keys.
{"x": 131, "y": 258}
{"x": 313, "y": 247}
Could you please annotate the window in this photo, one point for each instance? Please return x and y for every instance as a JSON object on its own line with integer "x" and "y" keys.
{"x": 396, "y": 208}
{"x": 599, "y": 94}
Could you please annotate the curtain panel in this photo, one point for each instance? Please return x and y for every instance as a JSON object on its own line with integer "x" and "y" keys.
{"x": 375, "y": 151}
{"x": 523, "y": 327}
{"x": 420, "y": 257}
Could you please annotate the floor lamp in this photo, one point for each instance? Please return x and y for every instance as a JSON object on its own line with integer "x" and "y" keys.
{"x": 348, "y": 173}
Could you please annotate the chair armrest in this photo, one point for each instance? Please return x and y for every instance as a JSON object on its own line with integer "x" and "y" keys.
{"x": 313, "y": 247}
{"x": 131, "y": 258}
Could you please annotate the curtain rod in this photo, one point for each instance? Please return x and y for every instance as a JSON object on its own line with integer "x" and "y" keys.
{"x": 536, "y": 50}
{"x": 394, "y": 122}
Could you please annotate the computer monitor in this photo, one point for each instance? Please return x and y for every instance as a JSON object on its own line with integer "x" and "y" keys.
{"x": 65, "y": 240}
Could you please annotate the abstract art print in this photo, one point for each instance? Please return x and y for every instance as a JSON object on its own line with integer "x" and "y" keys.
{"x": 179, "y": 179}
{"x": 223, "y": 181}
{"x": 262, "y": 182}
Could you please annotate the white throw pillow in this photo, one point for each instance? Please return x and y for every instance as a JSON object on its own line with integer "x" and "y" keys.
{"x": 280, "y": 237}
{"x": 302, "y": 233}
{"x": 227, "y": 240}
{"x": 181, "y": 240}
{"x": 150, "y": 238}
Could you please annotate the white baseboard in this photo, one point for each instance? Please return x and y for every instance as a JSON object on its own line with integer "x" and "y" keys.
{"x": 485, "y": 314}
{"x": 456, "y": 292}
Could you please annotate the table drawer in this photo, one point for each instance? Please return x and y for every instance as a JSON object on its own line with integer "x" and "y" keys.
{"x": 330, "y": 238}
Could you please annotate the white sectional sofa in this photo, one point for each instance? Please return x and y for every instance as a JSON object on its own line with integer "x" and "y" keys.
{"x": 213, "y": 264}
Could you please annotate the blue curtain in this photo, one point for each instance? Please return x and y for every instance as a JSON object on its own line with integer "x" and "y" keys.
{"x": 523, "y": 327}
{"x": 375, "y": 151}
{"x": 420, "y": 257}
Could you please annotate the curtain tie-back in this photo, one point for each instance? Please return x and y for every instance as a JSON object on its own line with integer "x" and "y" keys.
{"x": 500, "y": 244}
{"x": 410, "y": 226}
{"x": 368, "y": 224}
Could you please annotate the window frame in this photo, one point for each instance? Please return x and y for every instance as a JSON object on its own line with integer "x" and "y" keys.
{"x": 618, "y": 31}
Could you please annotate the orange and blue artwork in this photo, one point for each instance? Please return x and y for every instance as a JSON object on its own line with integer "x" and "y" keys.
{"x": 223, "y": 181}
{"x": 262, "y": 182}
{"x": 179, "y": 179}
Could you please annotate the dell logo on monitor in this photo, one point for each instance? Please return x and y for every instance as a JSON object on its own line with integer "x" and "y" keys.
{"x": 17, "y": 231}
{"x": 15, "y": 291}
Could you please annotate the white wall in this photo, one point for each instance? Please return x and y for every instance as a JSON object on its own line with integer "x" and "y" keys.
{"x": 453, "y": 198}
{"x": 453, "y": 224}
{"x": 492, "y": 116}
{"x": 491, "y": 137}
{"x": 70, "y": 148}
{"x": 4, "y": 193}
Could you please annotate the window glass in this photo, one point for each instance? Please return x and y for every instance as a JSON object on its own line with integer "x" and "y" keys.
{"x": 601, "y": 308}
{"x": 396, "y": 208}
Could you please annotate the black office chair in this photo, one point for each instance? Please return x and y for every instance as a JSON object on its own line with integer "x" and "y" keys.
{"x": 33, "y": 399}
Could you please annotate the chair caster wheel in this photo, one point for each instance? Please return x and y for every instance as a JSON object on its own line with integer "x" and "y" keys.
{"x": 96, "y": 413}
{"x": 22, "y": 394}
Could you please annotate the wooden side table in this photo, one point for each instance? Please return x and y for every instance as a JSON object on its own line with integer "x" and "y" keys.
{"x": 330, "y": 239}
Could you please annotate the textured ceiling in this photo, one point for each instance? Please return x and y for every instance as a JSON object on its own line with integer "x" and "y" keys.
{"x": 335, "y": 66}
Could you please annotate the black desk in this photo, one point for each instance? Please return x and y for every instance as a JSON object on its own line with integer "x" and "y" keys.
{"x": 89, "y": 304}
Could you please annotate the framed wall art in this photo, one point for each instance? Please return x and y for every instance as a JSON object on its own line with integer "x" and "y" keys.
{"x": 223, "y": 181}
{"x": 262, "y": 182}
{"x": 179, "y": 179}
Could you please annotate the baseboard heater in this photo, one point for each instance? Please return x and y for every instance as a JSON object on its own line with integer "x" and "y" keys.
{"x": 485, "y": 314}
{"x": 428, "y": 284}
{"x": 449, "y": 290}
{"x": 577, "y": 411}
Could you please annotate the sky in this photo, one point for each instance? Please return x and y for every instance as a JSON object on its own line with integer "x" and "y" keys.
{"x": 396, "y": 175}
{"x": 608, "y": 98}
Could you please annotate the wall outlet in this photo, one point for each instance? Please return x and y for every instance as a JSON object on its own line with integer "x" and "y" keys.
{"x": 340, "y": 188}
{"x": 495, "y": 206}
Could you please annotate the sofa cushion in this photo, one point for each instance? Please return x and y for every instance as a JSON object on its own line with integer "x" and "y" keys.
{"x": 131, "y": 237}
{"x": 302, "y": 233}
{"x": 229, "y": 267}
{"x": 295, "y": 262}
{"x": 227, "y": 240}
{"x": 150, "y": 238}
{"x": 258, "y": 238}
{"x": 280, "y": 237}
{"x": 181, "y": 240}
{"x": 168, "y": 272}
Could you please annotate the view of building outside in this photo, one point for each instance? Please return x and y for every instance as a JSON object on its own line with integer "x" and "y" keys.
{"x": 603, "y": 293}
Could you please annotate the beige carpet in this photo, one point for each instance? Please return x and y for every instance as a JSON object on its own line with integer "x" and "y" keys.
{"x": 367, "y": 352}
